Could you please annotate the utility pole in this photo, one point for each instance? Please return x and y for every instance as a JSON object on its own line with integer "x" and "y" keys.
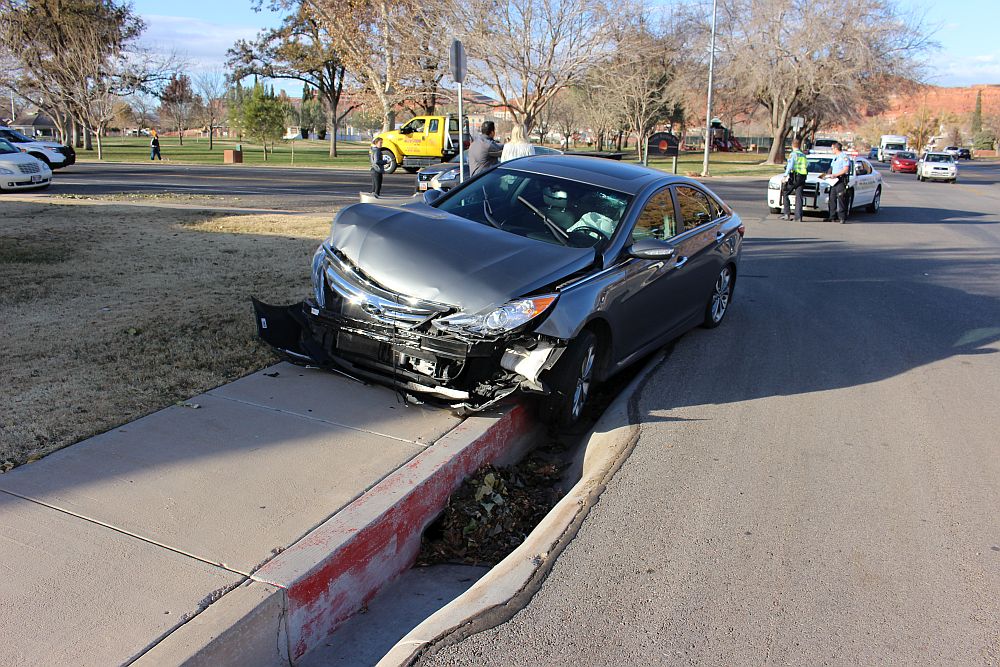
{"x": 711, "y": 72}
{"x": 458, "y": 70}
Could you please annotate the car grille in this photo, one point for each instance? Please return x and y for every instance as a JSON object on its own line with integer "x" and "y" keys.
{"x": 29, "y": 168}
{"x": 360, "y": 294}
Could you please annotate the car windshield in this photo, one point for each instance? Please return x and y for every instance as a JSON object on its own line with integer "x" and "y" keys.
{"x": 894, "y": 147}
{"x": 819, "y": 165}
{"x": 6, "y": 148}
{"x": 937, "y": 157}
{"x": 14, "y": 136}
{"x": 905, "y": 155}
{"x": 540, "y": 207}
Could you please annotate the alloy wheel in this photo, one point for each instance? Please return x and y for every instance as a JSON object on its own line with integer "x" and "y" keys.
{"x": 583, "y": 381}
{"x": 721, "y": 294}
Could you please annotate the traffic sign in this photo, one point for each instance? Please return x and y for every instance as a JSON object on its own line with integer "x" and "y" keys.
{"x": 458, "y": 67}
{"x": 798, "y": 122}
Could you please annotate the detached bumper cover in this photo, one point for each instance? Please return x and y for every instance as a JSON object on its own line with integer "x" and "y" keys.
{"x": 471, "y": 373}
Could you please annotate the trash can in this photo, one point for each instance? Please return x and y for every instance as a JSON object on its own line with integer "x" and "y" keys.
{"x": 232, "y": 156}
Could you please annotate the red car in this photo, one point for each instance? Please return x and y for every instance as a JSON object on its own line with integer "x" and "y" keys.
{"x": 904, "y": 162}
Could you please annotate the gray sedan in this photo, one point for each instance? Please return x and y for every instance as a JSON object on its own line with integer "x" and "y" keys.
{"x": 543, "y": 275}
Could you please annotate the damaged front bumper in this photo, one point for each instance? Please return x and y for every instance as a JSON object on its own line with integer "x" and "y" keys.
{"x": 464, "y": 371}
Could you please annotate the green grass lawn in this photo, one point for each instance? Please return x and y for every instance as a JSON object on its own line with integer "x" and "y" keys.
{"x": 308, "y": 153}
{"x": 354, "y": 155}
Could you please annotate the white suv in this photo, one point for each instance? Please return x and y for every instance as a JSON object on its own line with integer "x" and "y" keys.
{"x": 52, "y": 153}
{"x": 937, "y": 167}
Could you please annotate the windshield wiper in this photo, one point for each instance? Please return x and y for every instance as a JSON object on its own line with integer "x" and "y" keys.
{"x": 556, "y": 230}
{"x": 488, "y": 210}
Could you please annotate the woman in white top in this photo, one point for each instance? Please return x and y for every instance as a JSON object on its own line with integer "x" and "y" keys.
{"x": 518, "y": 146}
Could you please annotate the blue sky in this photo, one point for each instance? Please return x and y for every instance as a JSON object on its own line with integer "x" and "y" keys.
{"x": 202, "y": 30}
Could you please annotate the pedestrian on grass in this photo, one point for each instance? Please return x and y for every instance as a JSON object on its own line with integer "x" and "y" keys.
{"x": 484, "y": 151}
{"x": 377, "y": 167}
{"x": 154, "y": 147}
{"x": 839, "y": 169}
{"x": 796, "y": 170}
{"x": 518, "y": 146}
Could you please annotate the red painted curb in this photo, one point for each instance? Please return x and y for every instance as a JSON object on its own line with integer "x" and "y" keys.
{"x": 338, "y": 568}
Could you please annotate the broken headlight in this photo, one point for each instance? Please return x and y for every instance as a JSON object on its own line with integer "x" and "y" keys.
{"x": 318, "y": 266}
{"x": 508, "y": 317}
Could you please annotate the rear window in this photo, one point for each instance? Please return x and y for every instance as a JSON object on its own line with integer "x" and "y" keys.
{"x": 824, "y": 142}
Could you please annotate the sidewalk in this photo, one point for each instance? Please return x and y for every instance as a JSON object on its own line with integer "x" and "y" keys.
{"x": 248, "y": 501}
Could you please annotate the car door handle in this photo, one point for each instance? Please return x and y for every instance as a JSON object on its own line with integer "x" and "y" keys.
{"x": 681, "y": 261}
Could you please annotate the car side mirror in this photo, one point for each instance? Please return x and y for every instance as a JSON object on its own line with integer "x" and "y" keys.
{"x": 432, "y": 195}
{"x": 651, "y": 249}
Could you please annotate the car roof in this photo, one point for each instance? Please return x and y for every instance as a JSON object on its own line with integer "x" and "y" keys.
{"x": 613, "y": 174}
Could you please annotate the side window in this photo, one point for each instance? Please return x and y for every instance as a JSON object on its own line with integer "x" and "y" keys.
{"x": 657, "y": 219}
{"x": 417, "y": 124}
{"x": 434, "y": 125}
{"x": 453, "y": 125}
{"x": 695, "y": 207}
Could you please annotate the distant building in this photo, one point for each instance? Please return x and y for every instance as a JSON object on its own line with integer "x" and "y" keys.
{"x": 35, "y": 124}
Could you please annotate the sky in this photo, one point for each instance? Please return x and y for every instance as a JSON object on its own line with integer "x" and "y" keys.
{"x": 968, "y": 32}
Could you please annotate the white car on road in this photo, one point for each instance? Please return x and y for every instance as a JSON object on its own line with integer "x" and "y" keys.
{"x": 52, "y": 153}
{"x": 20, "y": 171}
{"x": 937, "y": 167}
{"x": 864, "y": 187}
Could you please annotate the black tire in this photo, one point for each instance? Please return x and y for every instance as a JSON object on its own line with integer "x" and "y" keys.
{"x": 389, "y": 161}
{"x": 571, "y": 381}
{"x": 720, "y": 298}
{"x": 850, "y": 202}
{"x": 774, "y": 210}
{"x": 411, "y": 170}
{"x": 876, "y": 202}
{"x": 42, "y": 157}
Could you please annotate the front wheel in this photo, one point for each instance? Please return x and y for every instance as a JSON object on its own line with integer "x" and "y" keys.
{"x": 774, "y": 210}
{"x": 718, "y": 302}
{"x": 571, "y": 381}
{"x": 40, "y": 156}
{"x": 876, "y": 202}
{"x": 389, "y": 163}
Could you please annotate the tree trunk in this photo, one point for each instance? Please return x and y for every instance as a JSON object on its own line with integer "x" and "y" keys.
{"x": 211, "y": 134}
{"x": 100, "y": 147}
{"x": 180, "y": 134}
{"x": 331, "y": 122}
{"x": 88, "y": 139}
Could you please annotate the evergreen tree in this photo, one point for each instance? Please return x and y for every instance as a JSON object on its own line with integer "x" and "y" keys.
{"x": 263, "y": 116}
{"x": 977, "y": 115}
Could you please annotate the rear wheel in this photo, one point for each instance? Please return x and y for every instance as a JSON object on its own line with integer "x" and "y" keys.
{"x": 718, "y": 302}
{"x": 389, "y": 161}
{"x": 876, "y": 202}
{"x": 571, "y": 381}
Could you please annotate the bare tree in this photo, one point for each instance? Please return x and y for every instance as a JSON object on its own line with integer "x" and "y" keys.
{"x": 526, "y": 51}
{"x": 795, "y": 57}
{"x": 178, "y": 103}
{"x": 301, "y": 49}
{"x": 213, "y": 89}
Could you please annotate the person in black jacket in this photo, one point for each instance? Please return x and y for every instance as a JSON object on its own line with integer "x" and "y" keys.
{"x": 154, "y": 147}
{"x": 375, "y": 157}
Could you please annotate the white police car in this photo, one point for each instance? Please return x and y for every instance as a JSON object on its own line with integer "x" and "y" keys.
{"x": 20, "y": 171}
{"x": 864, "y": 187}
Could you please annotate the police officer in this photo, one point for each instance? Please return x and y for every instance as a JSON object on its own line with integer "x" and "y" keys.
{"x": 839, "y": 169}
{"x": 795, "y": 180}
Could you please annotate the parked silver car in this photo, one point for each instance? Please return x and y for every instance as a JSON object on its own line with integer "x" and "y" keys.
{"x": 545, "y": 275}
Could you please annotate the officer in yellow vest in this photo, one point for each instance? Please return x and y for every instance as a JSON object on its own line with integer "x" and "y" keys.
{"x": 795, "y": 179}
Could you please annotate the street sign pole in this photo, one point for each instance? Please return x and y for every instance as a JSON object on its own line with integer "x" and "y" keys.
{"x": 458, "y": 73}
{"x": 708, "y": 112}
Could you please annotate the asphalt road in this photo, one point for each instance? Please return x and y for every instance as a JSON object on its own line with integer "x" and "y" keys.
{"x": 818, "y": 480}
{"x": 91, "y": 178}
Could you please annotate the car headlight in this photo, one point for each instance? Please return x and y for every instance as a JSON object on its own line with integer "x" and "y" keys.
{"x": 5, "y": 171}
{"x": 449, "y": 175}
{"x": 318, "y": 265}
{"x": 772, "y": 185}
{"x": 508, "y": 317}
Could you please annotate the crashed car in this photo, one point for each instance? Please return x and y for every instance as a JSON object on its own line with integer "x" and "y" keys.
{"x": 545, "y": 275}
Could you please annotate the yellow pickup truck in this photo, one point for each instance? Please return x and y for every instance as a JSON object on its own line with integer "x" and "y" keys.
{"x": 421, "y": 142}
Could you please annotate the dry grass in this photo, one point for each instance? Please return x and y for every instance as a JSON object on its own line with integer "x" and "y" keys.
{"x": 108, "y": 313}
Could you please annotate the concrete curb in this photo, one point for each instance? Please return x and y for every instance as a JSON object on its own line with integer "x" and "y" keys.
{"x": 298, "y": 598}
{"x": 508, "y": 587}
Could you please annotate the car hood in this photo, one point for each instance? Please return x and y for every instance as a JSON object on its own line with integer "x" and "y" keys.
{"x": 440, "y": 168}
{"x": 419, "y": 251}
{"x": 12, "y": 159}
